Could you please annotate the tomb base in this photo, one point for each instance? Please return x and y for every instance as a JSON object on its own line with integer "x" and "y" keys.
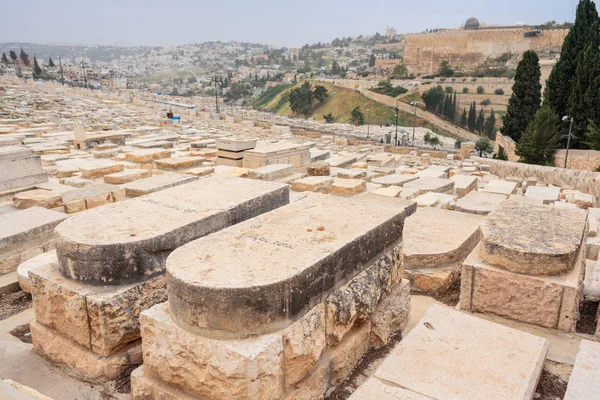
{"x": 79, "y": 361}
{"x": 299, "y": 362}
{"x": 433, "y": 280}
{"x": 548, "y": 301}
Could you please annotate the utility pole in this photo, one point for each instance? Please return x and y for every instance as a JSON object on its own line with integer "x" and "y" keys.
{"x": 84, "y": 76}
{"x": 566, "y": 118}
{"x": 414, "y": 104}
{"x": 216, "y": 96}
{"x": 396, "y": 137}
{"x": 62, "y": 78}
{"x": 368, "y": 122}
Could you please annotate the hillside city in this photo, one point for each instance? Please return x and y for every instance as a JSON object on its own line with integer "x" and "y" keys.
{"x": 394, "y": 215}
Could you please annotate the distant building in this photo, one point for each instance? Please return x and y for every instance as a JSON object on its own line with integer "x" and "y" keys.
{"x": 390, "y": 32}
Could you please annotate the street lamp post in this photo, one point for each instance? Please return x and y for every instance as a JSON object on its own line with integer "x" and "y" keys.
{"x": 566, "y": 118}
{"x": 396, "y": 137}
{"x": 414, "y": 104}
{"x": 368, "y": 122}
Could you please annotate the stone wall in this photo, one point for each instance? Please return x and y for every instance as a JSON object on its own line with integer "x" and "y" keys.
{"x": 584, "y": 181}
{"x": 508, "y": 145}
{"x": 407, "y": 150}
{"x": 386, "y": 65}
{"x": 588, "y": 160}
{"x": 423, "y": 53}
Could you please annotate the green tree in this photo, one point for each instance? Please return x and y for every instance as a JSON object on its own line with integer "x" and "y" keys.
{"x": 463, "y": 118}
{"x": 4, "y": 58}
{"x": 320, "y": 93}
{"x": 400, "y": 72}
{"x": 480, "y": 121}
{"x": 372, "y": 60}
{"x": 480, "y": 90}
{"x": 472, "y": 119}
{"x": 329, "y": 118}
{"x": 559, "y": 84}
{"x": 458, "y": 143}
{"x": 335, "y": 68}
{"x": 433, "y": 98}
{"x": 490, "y": 126}
{"x": 501, "y": 154}
{"x": 592, "y": 136}
{"x": 301, "y": 99}
{"x": 445, "y": 69}
{"x": 37, "y": 71}
{"x": 357, "y": 117}
{"x": 541, "y": 139}
{"x": 432, "y": 140}
{"x": 51, "y": 63}
{"x": 526, "y": 97}
{"x": 191, "y": 80}
{"x": 484, "y": 146}
{"x": 13, "y": 56}
{"x": 24, "y": 57}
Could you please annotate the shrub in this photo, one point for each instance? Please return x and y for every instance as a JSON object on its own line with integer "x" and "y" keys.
{"x": 448, "y": 89}
{"x": 486, "y": 102}
{"x": 465, "y": 90}
{"x": 499, "y": 91}
{"x": 480, "y": 90}
{"x": 473, "y": 79}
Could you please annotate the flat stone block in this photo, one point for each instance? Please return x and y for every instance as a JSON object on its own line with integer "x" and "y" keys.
{"x": 25, "y": 234}
{"x": 37, "y": 198}
{"x": 480, "y": 203}
{"x": 548, "y": 194}
{"x": 394, "y": 180}
{"x": 127, "y": 246}
{"x": 271, "y": 172}
{"x": 390, "y": 191}
{"x": 348, "y": 187}
{"x": 319, "y": 184}
{"x": 478, "y": 357}
{"x": 499, "y": 186}
{"x": 548, "y": 301}
{"x": 356, "y": 173}
{"x": 100, "y": 318}
{"x": 584, "y": 382}
{"x": 513, "y": 238}
{"x": 425, "y": 185}
{"x": 428, "y": 199}
{"x": 23, "y": 269}
{"x": 146, "y": 385}
{"x": 435, "y": 237}
{"x": 156, "y": 183}
{"x": 211, "y": 368}
{"x": 464, "y": 184}
{"x": 126, "y": 176}
{"x": 96, "y": 168}
{"x": 147, "y": 156}
{"x": 200, "y": 171}
{"x": 78, "y": 361}
{"x": 178, "y": 163}
{"x": 320, "y": 168}
{"x": 290, "y": 258}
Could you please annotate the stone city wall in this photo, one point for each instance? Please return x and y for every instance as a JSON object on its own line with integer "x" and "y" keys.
{"x": 584, "y": 181}
{"x": 423, "y": 53}
{"x": 588, "y": 160}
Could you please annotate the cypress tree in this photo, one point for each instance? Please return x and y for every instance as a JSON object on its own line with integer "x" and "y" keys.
{"x": 490, "y": 126}
{"x": 24, "y": 57}
{"x": 463, "y": 119}
{"x": 472, "y": 119}
{"x": 526, "y": 97}
{"x": 51, "y": 63}
{"x": 4, "y": 58}
{"x": 36, "y": 67}
{"x": 13, "y": 55}
{"x": 454, "y": 110}
{"x": 559, "y": 85}
{"x": 541, "y": 138}
{"x": 480, "y": 121}
{"x": 585, "y": 86}
{"x": 592, "y": 136}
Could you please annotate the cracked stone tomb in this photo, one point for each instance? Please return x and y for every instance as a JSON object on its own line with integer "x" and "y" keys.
{"x": 110, "y": 266}
{"x": 282, "y": 306}
{"x": 529, "y": 265}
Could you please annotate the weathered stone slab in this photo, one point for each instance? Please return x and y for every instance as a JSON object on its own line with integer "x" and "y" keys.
{"x": 285, "y": 262}
{"x": 348, "y": 187}
{"x": 156, "y": 183}
{"x": 320, "y": 168}
{"x": 499, "y": 186}
{"x": 319, "y": 184}
{"x": 147, "y": 156}
{"x": 478, "y": 357}
{"x": 584, "y": 382}
{"x": 131, "y": 240}
{"x": 126, "y": 176}
{"x": 200, "y": 171}
{"x": 19, "y": 167}
{"x": 146, "y": 385}
{"x": 394, "y": 180}
{"x": 548, "y": 194}
{"x": 37, "y": 198}
{"x": 25, "y": 267}
{"x": 355, "y": 173}
{"x": 464, "y": 184}
{"x": 271, "y": 172}
{"x": 178, "y": 163}
{"x": 25, "y": 234}
{"x": 513, "y": 238}
{"x": 96, "y": 168}
{"x": 425, "y": 185}
{"x": 435, "y": 237}
{"x": 390, "y": 191}
{"x": 481, "y": 203}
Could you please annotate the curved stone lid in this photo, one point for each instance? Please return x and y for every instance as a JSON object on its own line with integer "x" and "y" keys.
{"x": 260, "y": 275}
{"x": 130, "y": 240}
{"x": 533, "y": 239}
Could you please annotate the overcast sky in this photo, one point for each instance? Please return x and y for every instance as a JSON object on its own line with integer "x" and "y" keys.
{"x": 284, "y": 23}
